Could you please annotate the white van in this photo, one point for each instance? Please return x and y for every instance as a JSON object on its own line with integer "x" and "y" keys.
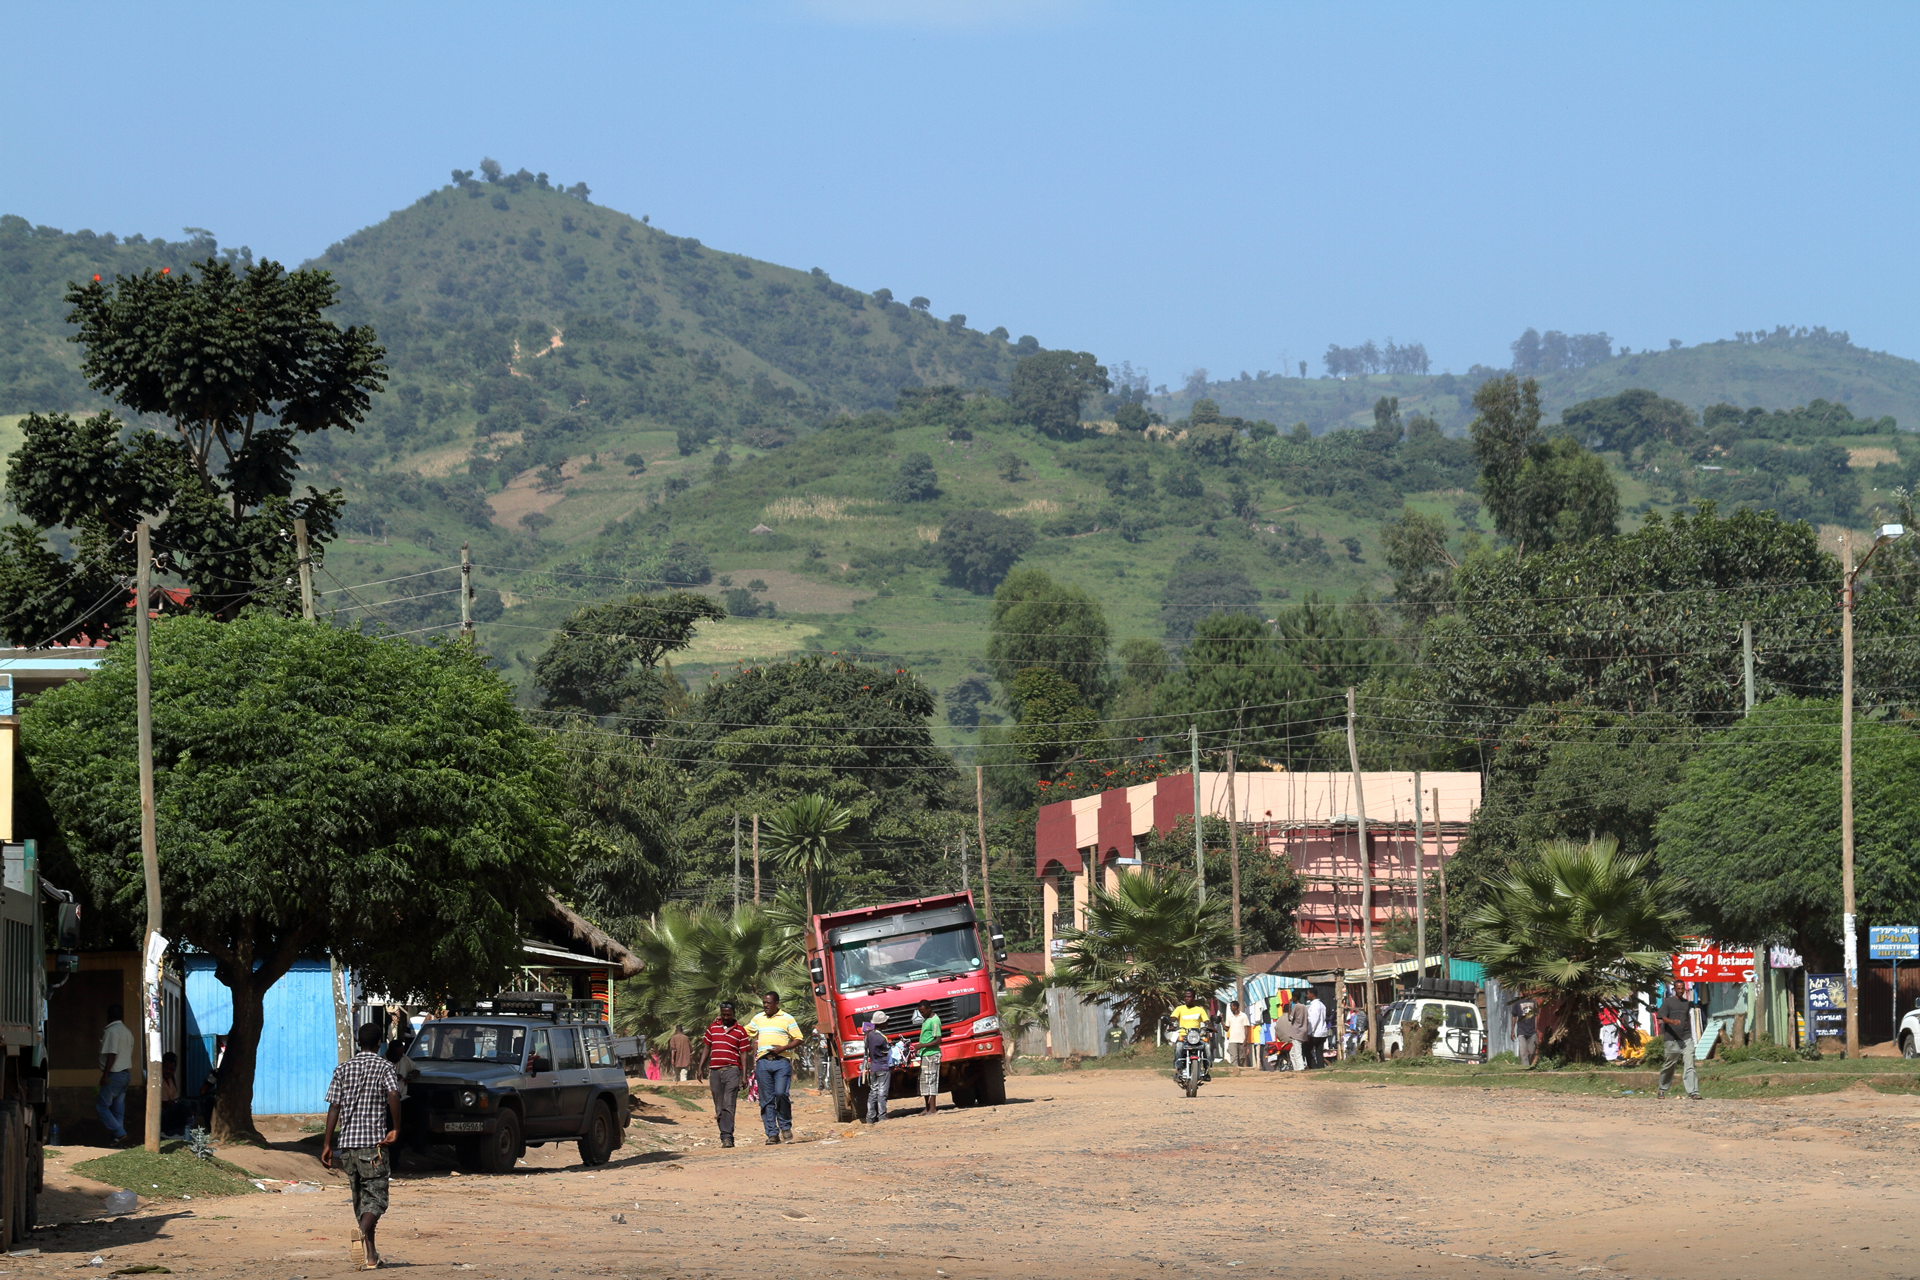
{"x": 1463, "y": 1033}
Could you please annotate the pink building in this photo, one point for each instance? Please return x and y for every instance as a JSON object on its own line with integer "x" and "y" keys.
{"x": 1308, "y": 818}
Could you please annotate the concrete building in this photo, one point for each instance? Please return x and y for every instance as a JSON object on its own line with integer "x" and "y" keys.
{"x": 1308, "y": 818}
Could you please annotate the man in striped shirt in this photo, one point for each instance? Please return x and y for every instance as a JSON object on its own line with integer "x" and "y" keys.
{"x": 727, "y": 1043}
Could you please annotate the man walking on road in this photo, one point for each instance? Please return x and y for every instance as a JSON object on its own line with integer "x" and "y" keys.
{"x": 879, "y": 1068}
{"x": 116, "y": 1068}
{"x": 1236, "y": 1034}
{"x": 1676, "y": 1037}
{"x": 727, "y": 1047}
{"x": 1293, "y": 1024}
{"x": 774, "y": 1034}
{"x": 1316, "y": 1033}
{"x": 680, "y": 1054}
{"x": 1526, "y": 1030}
{"x": 363, "y": 1123}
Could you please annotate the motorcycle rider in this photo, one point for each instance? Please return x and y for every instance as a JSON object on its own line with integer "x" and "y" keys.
{"x": 1189, "y": 1015}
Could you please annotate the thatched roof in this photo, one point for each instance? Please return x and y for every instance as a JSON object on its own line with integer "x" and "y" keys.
{"x": 579, "y": 930}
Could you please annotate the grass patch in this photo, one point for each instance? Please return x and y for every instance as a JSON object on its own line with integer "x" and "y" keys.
{"x": 672, "y": 1095}
{"x": 1733, "y": 1080}
{"x": 172, "y": 1172}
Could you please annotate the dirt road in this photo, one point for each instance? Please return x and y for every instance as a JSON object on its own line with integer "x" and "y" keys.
{"x": 1114, "y": 1173}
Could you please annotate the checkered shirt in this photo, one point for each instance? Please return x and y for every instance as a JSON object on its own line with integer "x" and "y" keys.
{"x": 360, "y": 1088}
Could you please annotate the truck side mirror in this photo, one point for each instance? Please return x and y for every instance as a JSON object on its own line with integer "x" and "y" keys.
{"x": 999, "y": 941}
{"x": 818, "y": 972}
{"x": 68, "y": 926}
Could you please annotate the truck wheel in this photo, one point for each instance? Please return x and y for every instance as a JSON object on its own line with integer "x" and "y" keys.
{"x": 597, "y": 1143}
{"x": 496, "y": 1152}
{"x": 964, "y": 1093}
{"x": 993, "y": 1082}
{"x": 842, "y": 1098}
{"x": 9, "y": 1172}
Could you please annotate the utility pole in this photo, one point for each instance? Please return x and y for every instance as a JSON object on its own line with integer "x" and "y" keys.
{"x": 980, "y": 822}
{"x": 756, "y": 859}
{"x": 966, "y": 884}
{"x": 1420, "y": 880}
{"x": 1366, "y": 882}
{"x": 466, "y": 592}
{"x": 1849, "y": 960}
{"x": 342, "y": 1008}
{"x": 1233, "y": 859}
{"x": 1199, "y": 846}
{"x": 306, "y": 568}
{"x": 149, "y": 840}
{"x": 1746, "y": 654}
{"x": 1440, "y": 857}
{"x": 736, "y": 859}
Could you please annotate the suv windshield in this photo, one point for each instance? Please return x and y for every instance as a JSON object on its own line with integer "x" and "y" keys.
{"x": 905, "y": 957}
{"x": 468, "y": 1042}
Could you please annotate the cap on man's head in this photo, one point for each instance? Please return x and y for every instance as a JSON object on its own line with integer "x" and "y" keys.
{"x": 879, "y": 1017}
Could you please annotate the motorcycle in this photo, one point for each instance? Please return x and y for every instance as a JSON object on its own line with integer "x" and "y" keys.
{"x": 1190, "y": 1060}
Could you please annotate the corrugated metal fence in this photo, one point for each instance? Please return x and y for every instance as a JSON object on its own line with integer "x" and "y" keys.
{"x": 298, "y": 1051}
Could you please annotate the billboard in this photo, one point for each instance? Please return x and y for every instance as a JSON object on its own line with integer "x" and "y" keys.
{"x": 1893, "y": 942}
{"x": 1705, "y": 960}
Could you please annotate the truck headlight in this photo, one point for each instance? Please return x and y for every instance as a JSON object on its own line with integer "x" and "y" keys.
{"x": 982, "y": 1026}
{"x": 469, "y": 1099}
{"x": 852, "y": 1048}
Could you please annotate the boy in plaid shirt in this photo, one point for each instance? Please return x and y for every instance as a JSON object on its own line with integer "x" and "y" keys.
{"x": 363, "y": 1112}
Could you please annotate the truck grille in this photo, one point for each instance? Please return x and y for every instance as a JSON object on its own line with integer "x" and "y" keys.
{"x": 954, "y": 1012}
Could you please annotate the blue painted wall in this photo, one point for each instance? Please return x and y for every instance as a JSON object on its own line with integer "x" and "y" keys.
{"x": 297, "y": 1048}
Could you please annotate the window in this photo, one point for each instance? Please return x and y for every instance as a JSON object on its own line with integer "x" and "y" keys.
{"x": 1462, "y": 1019}
{"x": 467, "y": 1042}
{"x": 540, "y": 1053}
{"x": 566, "y": 1049}
{"x": 906, "y": 957}
{"x": 599, "y": 1048}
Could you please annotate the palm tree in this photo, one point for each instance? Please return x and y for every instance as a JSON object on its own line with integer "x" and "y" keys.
{"x": 1581, "y": 927}
{"x": 1146, "y": 942}
{"x": 693, "y": 959}
{"x": 800, "y": 835}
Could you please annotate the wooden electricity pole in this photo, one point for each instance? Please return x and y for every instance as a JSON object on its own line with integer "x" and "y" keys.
{"x": 149, "y": 840}
{"x": 1199, "y": 846}
{"x": 1420, "y": 880}
{"x": 306, "y": 568}
{"x": 756, "y": 859}
{"x": 1233, "y": 859}
{"x": 1440, "y": 857}
{"x": 736, "y": 860}
{"x": 1366, "y": 883}
{"x": 466, "y": 592}
{"x": 980, "y": 824}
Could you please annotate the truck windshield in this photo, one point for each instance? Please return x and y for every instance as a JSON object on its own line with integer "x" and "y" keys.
{"x": 468, "y": 1042}
{"x": 906, "y": 957}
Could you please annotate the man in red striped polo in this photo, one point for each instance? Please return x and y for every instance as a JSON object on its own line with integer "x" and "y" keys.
{"x": 727, "y": 1043}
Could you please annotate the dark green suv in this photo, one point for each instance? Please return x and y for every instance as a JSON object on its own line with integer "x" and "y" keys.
{"x": 515, "y": 1072}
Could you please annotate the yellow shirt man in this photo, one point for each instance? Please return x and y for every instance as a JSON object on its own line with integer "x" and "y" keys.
{"x": 774, "y": 1032}
{"x": 1189, "y": 1016}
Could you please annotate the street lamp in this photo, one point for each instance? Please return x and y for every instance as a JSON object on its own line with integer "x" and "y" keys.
{"x": 1888, "y": 532}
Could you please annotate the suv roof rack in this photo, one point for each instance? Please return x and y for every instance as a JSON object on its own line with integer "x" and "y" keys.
{"x": 532, "y": 1004}
{"x": 1438, "y": 989}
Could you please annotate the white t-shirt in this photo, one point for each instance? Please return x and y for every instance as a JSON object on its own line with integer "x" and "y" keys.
{"x": 1316, "y": 1018}
{"x": 1236, "y": 1027}
{"x": 116, "y": 1047}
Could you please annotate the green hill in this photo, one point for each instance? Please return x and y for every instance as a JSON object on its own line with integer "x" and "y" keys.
{"x": 597, "y": 406}
{"x": 1779, "y": 370}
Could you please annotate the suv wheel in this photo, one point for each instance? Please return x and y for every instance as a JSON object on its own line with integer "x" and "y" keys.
{"x": 1907, "y": 1049}
{"x": 496, "y": 1152}
{"x": 596, "y": 1145}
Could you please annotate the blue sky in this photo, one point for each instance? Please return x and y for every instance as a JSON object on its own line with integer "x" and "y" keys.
{"x": 1178, "y": 185}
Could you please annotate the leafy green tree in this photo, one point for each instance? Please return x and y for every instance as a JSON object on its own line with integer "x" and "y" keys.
{"x": 803, "y": 836}
{"x": 1651, "y": 621}
{"x": 1146, "y": 942}
{"x": 1132, "y": 417}
{"x": 693, "y": 958}
{"x": 857, "y": 734}
{"x": 1422, "y": 563}
{"x": 606, "y": 659}
{"x": 1054, "y": 727}
{"x": 1635, "y": 419}
{"x": 1049, "y": 388}
{"x": 1581, "y": 926}
{"x": 981, "y": 546}
{"x": 1573, "y": 773}
{"x": 619, "y": 800}
{"x": 1037, "y": 622}
{"x": 316, "y": 791}
{"x": 1753, "y": 834}
{"x": 916, "y": 481}
{"x": 1539, "y": 491}
{"x": 1144, "y": 667}
{"x": 237, "y": 364}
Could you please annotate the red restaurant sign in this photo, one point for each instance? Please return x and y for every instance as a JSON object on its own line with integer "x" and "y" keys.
{"x": 1707, "y": 961}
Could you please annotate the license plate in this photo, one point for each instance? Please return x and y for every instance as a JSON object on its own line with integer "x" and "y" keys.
{"x": 464, "y": 1126}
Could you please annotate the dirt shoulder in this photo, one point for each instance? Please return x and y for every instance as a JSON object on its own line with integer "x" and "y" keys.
{"x": 1116, "y": 1173}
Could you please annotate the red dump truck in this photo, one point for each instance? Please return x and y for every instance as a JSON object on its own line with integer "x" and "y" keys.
{"x": 890, "y": 958}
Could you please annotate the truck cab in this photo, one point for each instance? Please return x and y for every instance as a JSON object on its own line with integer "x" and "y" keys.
{"x": 891, "y": 958}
